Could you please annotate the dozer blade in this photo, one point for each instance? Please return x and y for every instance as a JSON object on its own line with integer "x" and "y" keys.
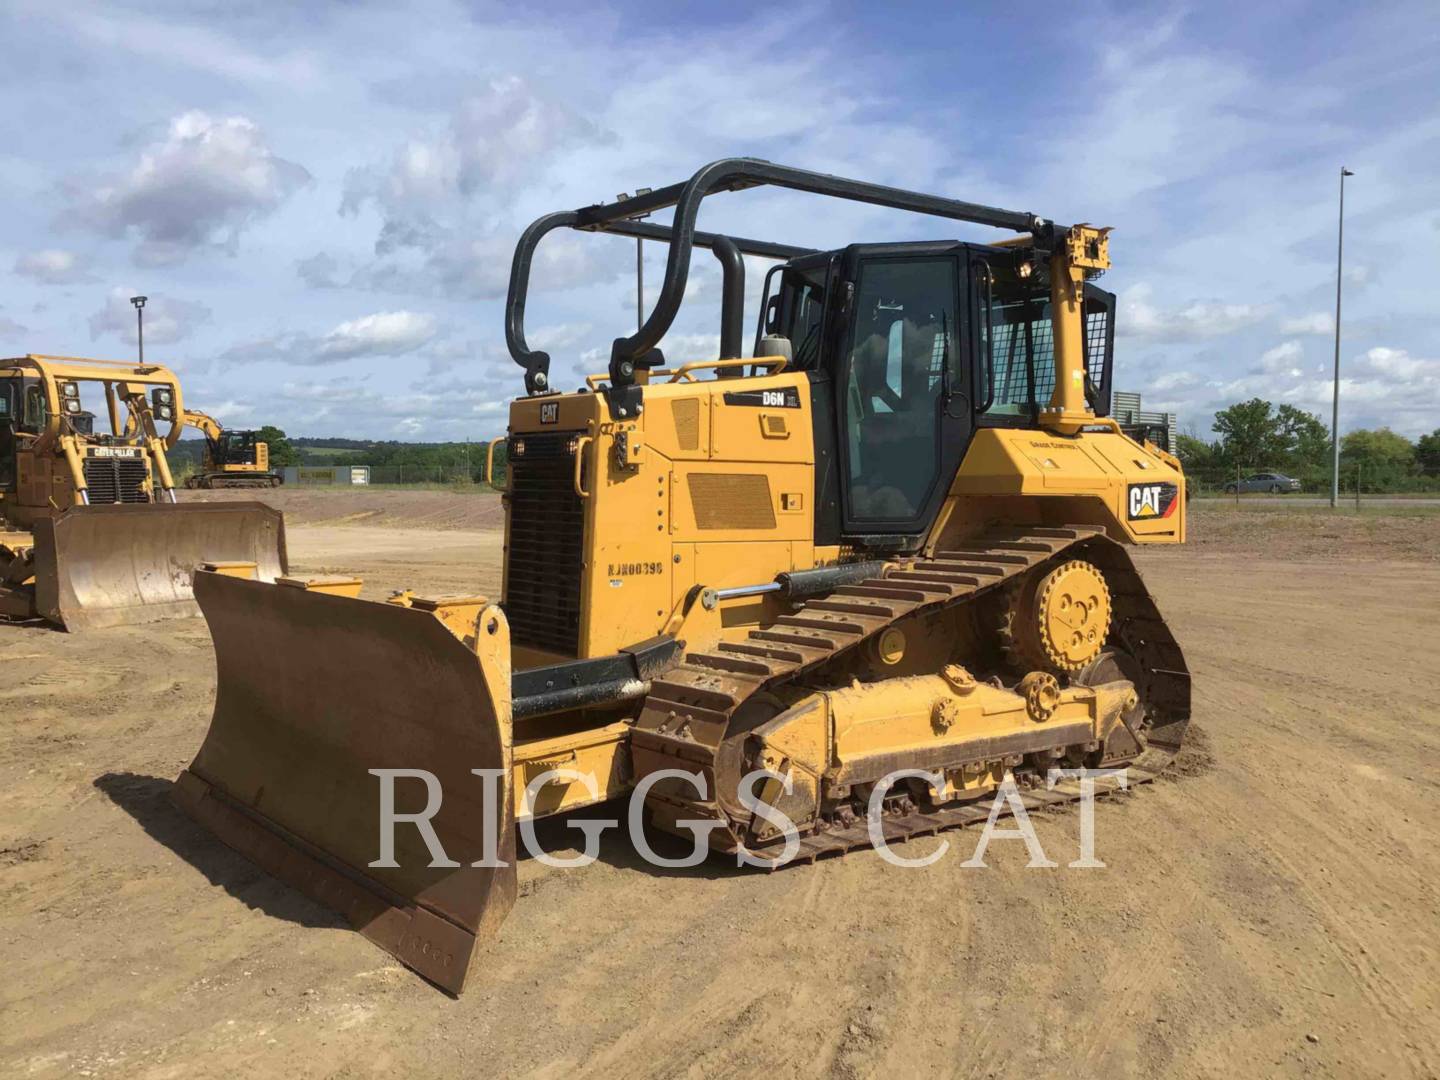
{"x": 117, "y": 565}
{"x": 312, "y": 692}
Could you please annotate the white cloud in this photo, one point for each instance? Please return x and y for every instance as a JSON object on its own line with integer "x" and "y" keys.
{"x": 1397, "y": 364}
{"x": 1196, "y": 321}
{"x": 558, "y": 336}
{"x": 1319, "y": 322}
{"x": 1283, "y": 359}
{"x": 1381, "y": 387}
{"x": 492, "y": 143}
{"x": 382, "y": 334}
{"x": 457, "y": 409}
{"x": 1172, "y": 381}
{"x": 166, "y": 41}
{"x": 202, "y": 184}
{"x": 52, "y": 267}
{"x": 1139, "y": 318}
{"x": 167, "y": 319}
{"x": 9, "y": 329}
{"x": 386, "y": 333}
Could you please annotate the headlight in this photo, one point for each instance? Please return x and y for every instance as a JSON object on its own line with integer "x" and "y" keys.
{"x": 69, "y": 390}
{"x": 519, "y": 450}
{"x": 72, "y": 405}
{"x": 162, "y": 396}
{"x": 163, "y": 412}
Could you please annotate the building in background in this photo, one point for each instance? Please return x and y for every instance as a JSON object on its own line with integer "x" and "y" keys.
{"x": 1160, "y": 428}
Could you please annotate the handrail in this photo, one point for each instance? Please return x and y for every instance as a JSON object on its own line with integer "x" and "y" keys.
{"x": 580, "y": 444}
{"x": 490, "y": 459}
{"x": 776, "y": 364}
{"x": 638, "y": 350}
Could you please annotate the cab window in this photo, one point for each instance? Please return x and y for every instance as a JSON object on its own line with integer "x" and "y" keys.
{"x": 1015, "y": 333}
{"x": 37, "y": 413}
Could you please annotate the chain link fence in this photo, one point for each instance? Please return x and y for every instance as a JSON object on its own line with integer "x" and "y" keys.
{"x": 454, "y": 475}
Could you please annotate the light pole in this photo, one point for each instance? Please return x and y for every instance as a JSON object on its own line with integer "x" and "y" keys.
{"x": 1335, "y": 408}
{"x": 139, "y": 302}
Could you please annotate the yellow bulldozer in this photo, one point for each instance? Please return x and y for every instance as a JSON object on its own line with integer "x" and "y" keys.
{"x": 91, "y": 534}
{"x": 233, "y": 459}
{"x": 879, "y": 564}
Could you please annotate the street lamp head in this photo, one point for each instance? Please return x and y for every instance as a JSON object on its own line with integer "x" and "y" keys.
{"x": 1345, "y": 172}
{"x": 139, "y": 301}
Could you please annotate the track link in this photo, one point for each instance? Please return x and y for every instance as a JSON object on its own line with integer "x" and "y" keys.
{"x": 688, "y": 714}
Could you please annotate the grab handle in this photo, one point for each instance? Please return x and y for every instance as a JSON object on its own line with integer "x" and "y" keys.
{"x": 580, "y": 444}
{"x": 490, "y": 460}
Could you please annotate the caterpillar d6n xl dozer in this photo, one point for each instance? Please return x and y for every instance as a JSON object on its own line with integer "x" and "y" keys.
{"x": 233, "y": 459}
{"x": 90, "y": 534}
{"x": 893, "y": 538}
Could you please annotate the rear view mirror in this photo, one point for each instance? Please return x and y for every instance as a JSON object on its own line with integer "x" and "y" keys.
{"x": 772, "y": 315}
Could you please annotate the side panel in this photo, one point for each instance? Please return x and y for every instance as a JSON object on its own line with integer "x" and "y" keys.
{"x": 713, "y": 485}
{"x": 1104, "y": 478}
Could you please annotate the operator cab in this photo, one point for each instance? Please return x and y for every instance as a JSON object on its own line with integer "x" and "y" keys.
{"x": 235, "y": 448}
{"x": 909, "y": 348}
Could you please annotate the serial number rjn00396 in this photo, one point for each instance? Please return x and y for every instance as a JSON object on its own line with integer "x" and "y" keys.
{"x": 635, "y": 569}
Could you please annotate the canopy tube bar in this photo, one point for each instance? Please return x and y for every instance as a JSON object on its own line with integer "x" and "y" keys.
{"x": 730, "y": 174}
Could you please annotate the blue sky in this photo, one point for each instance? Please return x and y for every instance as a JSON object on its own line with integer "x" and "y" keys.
{"x": 321, "y": 201}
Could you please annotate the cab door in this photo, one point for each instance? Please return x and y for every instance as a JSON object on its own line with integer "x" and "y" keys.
{"x": 903, "y": 388}
{"x": 9, "y": 405}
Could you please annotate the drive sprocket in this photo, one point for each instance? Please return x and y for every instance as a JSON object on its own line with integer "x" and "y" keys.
{"x": 1057, "y": 621}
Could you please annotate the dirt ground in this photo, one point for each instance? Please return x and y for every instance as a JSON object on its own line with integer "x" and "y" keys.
{"x": 1272, "y": 909}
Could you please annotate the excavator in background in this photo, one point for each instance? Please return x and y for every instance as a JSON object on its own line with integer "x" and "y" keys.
{"x": 233, "y": 459}
{"x": 892, "y": 538}
{"x": 91, "y": 534}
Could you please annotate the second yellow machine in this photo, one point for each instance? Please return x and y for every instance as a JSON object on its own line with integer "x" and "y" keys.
{"x": 232, "y": 459}
{"x": 91, "y": 533}
{"x": 894, "y": 538}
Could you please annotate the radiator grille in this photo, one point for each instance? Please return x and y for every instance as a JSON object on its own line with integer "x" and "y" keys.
{"x": 687, "y": 423}
{"x": 547, "y": 536}
{"x": 731, "y": 501}
{"x": 115, "y": 480}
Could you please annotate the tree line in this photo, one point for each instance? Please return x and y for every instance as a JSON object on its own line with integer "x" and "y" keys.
{"x": 1258, "y": 436}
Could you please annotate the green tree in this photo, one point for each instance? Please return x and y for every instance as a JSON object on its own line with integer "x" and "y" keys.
{"x": 1248, "y": 433}
{"x": 1195, "y": 454}
{"x": 1303, "y": 440}
{"x": 281, "y": 452}
{"x": 1383, "y": 457}
{"x": 1427, "y": 453}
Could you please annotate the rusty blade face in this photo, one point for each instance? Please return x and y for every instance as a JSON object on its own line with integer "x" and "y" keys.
{"x": 118, "y": 565}
{"x": 312, "y": 692}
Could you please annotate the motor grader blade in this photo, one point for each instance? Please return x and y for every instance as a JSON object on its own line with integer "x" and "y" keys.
{"x": 99, "y": 566}
{"x": 313, "y": 691}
